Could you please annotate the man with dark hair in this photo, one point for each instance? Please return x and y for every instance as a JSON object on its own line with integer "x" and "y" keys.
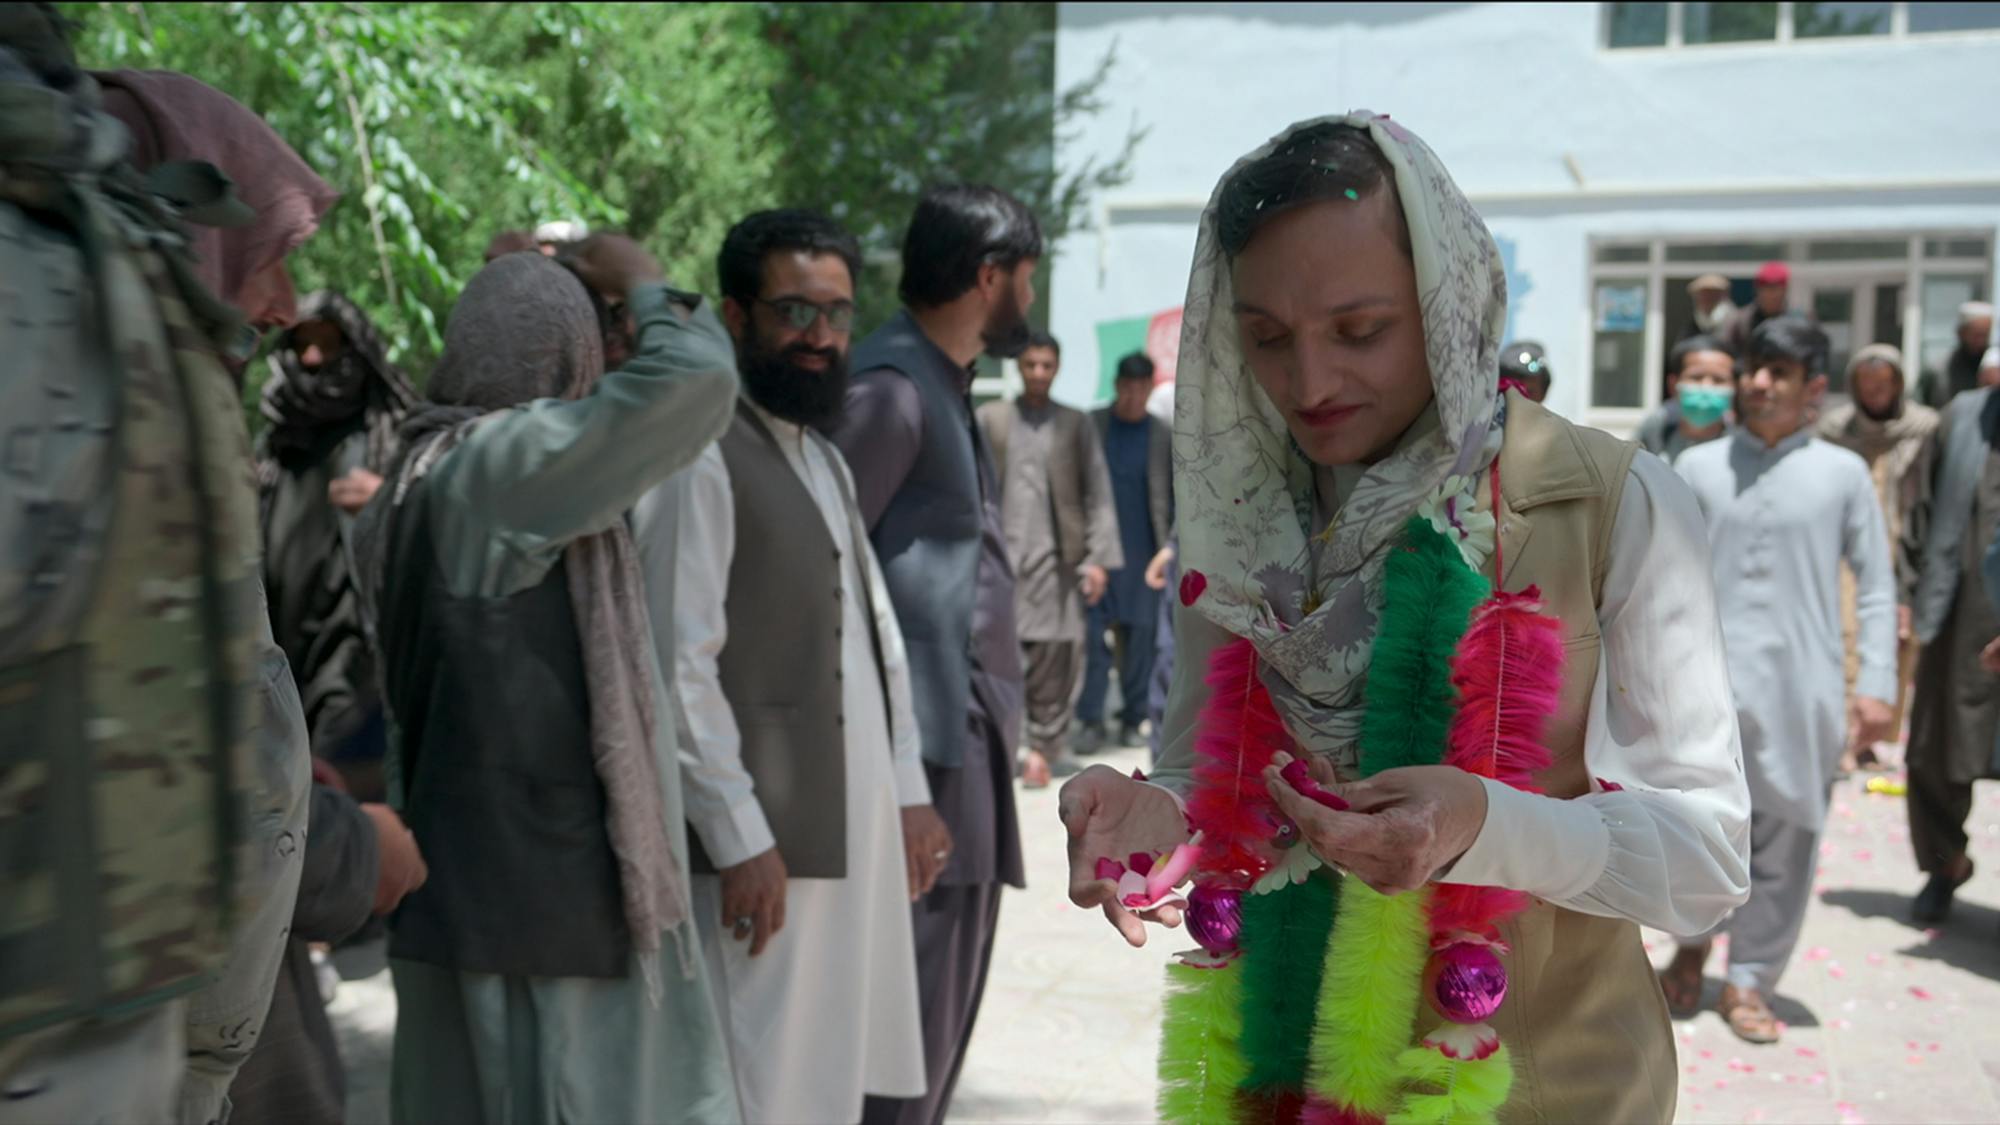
{"x": 510, "y": 242}
{"x": 1701, "y": 385}
{"x": 931, "y": 500}
{"x": 798, "y": 743}
{"x": 1062, "y": 537}
{"x": 1784, "y": 510}
{"x": 1138, "y": 451}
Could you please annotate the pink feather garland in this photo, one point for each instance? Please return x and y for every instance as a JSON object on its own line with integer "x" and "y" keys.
{"x": 1507, "y": 672}
{"x": 1238, "y": 734}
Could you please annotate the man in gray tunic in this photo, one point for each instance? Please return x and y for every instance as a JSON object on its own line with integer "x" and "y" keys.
{"x": 1062, "y": 537}
{"x": 1955, "y": 704}
{"x": 925, "y": 483}
{"x": 1784, "y": 509}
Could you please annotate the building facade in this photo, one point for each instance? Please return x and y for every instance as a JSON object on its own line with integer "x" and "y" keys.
{"x": 1616, "y": 150}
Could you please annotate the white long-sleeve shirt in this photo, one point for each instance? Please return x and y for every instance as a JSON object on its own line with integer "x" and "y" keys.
{"x": 686, "y": 532}
{"x": 1670, "y": 848}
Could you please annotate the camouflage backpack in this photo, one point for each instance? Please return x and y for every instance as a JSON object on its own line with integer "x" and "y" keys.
{"x": 128, "y": 539}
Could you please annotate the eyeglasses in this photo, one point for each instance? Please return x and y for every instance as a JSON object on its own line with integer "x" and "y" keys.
{"x": 800, "y": 314}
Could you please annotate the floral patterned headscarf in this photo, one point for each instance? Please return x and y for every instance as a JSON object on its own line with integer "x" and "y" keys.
{"x": 1253, "y": 562}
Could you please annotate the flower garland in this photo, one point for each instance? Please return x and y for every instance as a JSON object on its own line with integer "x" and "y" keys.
{"x": 1302, "y": 1003}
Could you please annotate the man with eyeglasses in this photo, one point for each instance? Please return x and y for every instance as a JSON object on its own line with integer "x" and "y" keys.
{"x": 812, "y": 822}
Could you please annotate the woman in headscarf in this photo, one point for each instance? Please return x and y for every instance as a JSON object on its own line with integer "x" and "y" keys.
{"x": 546, "y": 972}
{"x": 1339, "y": 377}
{"x": 331, "y": 408}
{"x": 1896, "y": 436}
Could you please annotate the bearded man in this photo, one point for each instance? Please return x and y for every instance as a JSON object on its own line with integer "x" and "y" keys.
{"x": 812, "y": 828}
{"x": 928, "y": 493}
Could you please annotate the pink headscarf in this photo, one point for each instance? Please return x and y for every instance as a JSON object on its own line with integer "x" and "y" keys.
{"x": 173, "y": 117}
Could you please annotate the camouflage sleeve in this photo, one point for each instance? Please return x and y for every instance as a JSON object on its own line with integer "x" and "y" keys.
{"x": 525, "y": 484}
{"x": 225, "y": 1019}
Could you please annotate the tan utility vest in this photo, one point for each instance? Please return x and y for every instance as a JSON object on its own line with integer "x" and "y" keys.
{"x": 1584, "y": 1018}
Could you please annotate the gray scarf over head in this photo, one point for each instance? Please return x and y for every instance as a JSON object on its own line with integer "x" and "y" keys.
{"x": 524, "y": 330}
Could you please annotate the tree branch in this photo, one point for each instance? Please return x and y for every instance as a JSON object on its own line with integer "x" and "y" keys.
{"x": 367, "y": 161}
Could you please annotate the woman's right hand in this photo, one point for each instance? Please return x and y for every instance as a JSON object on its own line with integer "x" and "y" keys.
{"x": 1111, "y": 816}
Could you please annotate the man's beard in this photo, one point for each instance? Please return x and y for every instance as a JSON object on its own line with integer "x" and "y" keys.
{"x": 796, "y": 394}
{"x": 1889, "y": 415}
{"x": 1006, "y": 332}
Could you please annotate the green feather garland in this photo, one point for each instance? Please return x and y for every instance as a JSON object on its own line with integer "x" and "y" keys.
{"x": 1201, "y": 1058}
{"x": 1471, "y": 1092}
{"x": 1428, "y": 598}
{"x": 1368, "y": 997}
{"x": 1284, "y": 939}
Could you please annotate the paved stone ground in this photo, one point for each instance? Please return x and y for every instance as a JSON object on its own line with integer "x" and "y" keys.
{"x": 1887, "y": 1022}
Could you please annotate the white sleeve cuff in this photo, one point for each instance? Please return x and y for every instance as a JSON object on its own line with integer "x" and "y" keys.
{"x": 1549, "y": 848}
{"x": 912, "y": 787}
{"x": 739, "y": 835}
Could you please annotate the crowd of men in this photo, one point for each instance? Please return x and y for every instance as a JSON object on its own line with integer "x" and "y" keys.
{"x": 711, "y": 641}
{"x": 661, "y": 663}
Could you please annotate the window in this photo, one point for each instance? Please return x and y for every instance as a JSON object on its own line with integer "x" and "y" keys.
{"x": 1954, "y": 248}
{"x": 1858, "y": 249}
{"x": 1758, "y": 252}
{"x": 1824, "y": 21}
{"x": 1954, "y": 17}
{"x": 1618, "y": 350}
{"x": 1863, "y": 286}
{"x": 1727, "y": 22}
{"x": 1694, "y": 24}
{"x": 1637, "y": 25}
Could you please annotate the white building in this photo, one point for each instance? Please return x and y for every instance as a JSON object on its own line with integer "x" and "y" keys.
{"x": 1616, "y": 151}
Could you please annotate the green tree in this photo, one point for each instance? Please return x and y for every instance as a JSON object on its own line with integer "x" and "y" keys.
{"x": 444, "y": 123}
{"x": 880, "y": 101}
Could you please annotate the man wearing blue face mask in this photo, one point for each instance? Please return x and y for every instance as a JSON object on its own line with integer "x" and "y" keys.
{"x": 1703, "y": 378}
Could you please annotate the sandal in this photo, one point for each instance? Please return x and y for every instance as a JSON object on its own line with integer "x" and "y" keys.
{"x": 1749, "y": 1017}
{"x": 1681, "y": 980}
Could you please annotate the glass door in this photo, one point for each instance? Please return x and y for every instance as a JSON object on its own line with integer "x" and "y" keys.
{"x": 1854, "y": 310}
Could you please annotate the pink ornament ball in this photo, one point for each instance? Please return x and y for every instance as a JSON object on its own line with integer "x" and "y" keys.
{"x": 1215, "y": 917}
{"x": 1465, "y": 983}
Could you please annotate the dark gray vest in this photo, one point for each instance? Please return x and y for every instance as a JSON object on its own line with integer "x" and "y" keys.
{"x": 927, "y": 539}
{"x": 499, "y": 786}
{"x": 781, "y": 664}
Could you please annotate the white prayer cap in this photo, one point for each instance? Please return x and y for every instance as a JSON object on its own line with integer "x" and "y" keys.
{"x": 562, "y": 230}
{"x": 1974, "y": 310}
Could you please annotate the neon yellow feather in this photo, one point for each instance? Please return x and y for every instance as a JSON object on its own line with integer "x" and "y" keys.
{"x": 1201, "y": 1055}
{"x": 1368, "y": 997}
{"x": 1450, "y": 1092}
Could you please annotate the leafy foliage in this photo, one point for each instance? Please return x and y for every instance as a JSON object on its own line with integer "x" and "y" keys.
{"x": 444, "y": 123}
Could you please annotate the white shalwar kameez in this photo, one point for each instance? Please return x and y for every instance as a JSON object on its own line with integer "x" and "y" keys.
{"x": 828, "y": 1012}
{"x": 1780, "y": 520}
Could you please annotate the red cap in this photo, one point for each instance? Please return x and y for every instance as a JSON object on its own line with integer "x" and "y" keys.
{"x": 1774, "y": 273}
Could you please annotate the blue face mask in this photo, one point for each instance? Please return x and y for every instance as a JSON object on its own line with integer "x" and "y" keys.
{"x": 1703, "y": 406}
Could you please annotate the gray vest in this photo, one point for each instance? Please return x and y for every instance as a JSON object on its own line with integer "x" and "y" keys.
{"x": 927, "y": 539}
{"x": 781, "y": 665}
